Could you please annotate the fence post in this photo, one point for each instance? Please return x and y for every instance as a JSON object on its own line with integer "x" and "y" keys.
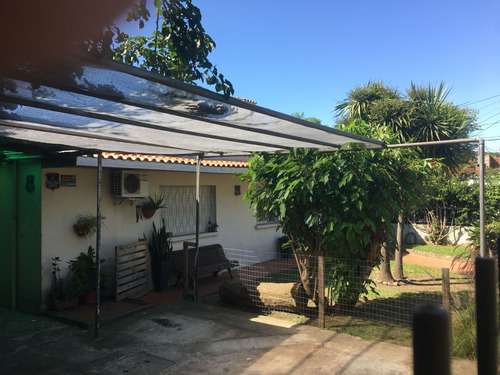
{"x": 321, "y": 290}
{"x": 445, "y": 272}
{"x": 431, "y": 340}
{"x": 486, "y": 317}
{"x": 185, "y": 277}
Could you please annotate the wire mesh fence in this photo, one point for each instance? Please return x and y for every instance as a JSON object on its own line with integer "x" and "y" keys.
{"x": 278, "y": 285}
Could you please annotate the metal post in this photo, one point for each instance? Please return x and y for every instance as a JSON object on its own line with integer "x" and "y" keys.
{"x": 481, "y": 198}
{"x": 431, "y": 341}
{"x": 195, "y": 281}
{"x": 486, "y": 317}
{"x": 98, "y": 246}
{"x": 321, "y": 290}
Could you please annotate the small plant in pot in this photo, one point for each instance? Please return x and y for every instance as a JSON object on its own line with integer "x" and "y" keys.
{"x": 86, "y": 225}
{"x": 160, "y": 248}
{"x": 212, "y": 227}
{"x": 84, "y": 270}
{"x": 150, "y": 206}
{"x": 61, "y": 297}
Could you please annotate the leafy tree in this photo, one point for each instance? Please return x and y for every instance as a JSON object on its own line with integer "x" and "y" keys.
{"x": 310, "y": 119}
{"x": 177, "y": 48}
{"x": 454, "y": 200}
{"x": 334, "y": 203}
{"x": 423, "y": 115}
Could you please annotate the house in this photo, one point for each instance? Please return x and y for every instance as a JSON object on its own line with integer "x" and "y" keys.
{"x": 51, "y": 194}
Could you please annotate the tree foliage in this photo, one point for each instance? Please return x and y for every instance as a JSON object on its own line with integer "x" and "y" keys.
{"x": 454, "y": 200}
{"x": 340, "y": 203}
{"x": 310, "y": 119}
{"x": 424, "y": 114}
{"x": 177, "y": 48}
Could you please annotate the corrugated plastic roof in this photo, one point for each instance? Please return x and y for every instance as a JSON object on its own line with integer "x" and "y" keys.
{"x": 113, "y": 107}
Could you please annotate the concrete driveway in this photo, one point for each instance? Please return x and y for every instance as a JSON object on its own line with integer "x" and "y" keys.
{"x": 194, "y": 338}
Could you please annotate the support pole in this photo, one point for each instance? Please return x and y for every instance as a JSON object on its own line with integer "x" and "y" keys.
{"x": 481, "y": 198}
{"x": 195, "y": 281}
{"x": 486, "y": 317}
{"x": 445, "y": 276}
{"x": 431, "y": 341}
{"x": 98, "y": 247}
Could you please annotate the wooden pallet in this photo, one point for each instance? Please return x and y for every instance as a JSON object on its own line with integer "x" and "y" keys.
{"x": 132, "y": 270}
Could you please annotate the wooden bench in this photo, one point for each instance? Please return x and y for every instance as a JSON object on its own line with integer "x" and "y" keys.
{"x": 211, "y": 260}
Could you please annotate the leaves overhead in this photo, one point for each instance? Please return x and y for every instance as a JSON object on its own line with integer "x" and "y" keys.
{"x": 177, "y": 48}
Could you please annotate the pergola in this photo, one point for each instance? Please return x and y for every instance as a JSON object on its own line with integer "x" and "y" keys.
{"x": 96, "y": 106}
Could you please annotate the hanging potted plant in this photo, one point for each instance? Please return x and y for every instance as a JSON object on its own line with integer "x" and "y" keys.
{"x": 84, "y": 276}
{"x": 160, "y": 248}
{"x": 150, "y": 206}
{"x": 86, "y": 225}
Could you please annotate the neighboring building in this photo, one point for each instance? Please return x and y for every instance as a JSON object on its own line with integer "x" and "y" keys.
{"x": 46, "y": 214}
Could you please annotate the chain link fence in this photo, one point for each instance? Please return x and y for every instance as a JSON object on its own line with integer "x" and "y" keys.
{"x": 275, "y": 285}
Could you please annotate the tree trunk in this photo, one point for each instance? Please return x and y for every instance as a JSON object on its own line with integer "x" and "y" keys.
{"x": 360, "y": 271}
{"x": 398, "y": 254}
{"x": 306, "y": 263}
{"x": 385, "y": 264}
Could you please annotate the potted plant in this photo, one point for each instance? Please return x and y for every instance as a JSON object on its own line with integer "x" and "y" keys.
{"x": 150, "y": 206}
{"x": 160, "y": 248}
{"x": 212, "y": 227}
{"x": 86, "y": 225}
{"x": 84, "y": 276}
{"x": 61, "y": 297}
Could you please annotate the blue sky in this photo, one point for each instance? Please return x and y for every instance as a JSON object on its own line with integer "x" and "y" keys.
{"x": 304, "y": 56}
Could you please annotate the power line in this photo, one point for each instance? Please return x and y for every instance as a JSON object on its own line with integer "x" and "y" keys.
{"x": 479, "y": 101}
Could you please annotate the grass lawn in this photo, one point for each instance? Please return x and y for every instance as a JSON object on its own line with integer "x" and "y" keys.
{"x": 449, "y": 250}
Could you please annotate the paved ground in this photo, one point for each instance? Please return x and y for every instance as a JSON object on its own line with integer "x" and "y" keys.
{"x": 193, "y": 338}
{"x": 180, "y": 337}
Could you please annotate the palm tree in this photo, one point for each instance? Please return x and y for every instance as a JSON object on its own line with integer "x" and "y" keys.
{"x": 423, "y": 115}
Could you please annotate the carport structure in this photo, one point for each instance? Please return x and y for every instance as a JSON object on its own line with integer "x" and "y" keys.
{"x": 92, "y": 106}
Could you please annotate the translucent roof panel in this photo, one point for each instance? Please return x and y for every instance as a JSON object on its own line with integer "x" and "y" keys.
{"x": 124, "y": 109}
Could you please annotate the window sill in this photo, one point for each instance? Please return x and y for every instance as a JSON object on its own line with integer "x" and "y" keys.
{"x": 192, "y": 237}
{"x": 266, "y": 226}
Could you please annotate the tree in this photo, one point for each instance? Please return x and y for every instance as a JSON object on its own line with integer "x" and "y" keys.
{"x": 423, "y": 115}
{"x": 333, "y": 203}
{"x": 310, "y": 119}
{"x": 177, "y": 48}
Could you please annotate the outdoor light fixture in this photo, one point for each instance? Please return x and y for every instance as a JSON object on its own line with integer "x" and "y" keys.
{"x": 237, "y": 190}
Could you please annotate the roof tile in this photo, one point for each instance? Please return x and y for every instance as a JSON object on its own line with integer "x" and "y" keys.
{"x": 174, "y": 160}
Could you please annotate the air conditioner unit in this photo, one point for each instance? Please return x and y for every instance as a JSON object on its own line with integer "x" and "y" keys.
{"x": 130, "y": 184}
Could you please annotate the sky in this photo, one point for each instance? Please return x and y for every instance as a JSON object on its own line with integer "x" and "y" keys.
{"x": 305, "y": 56}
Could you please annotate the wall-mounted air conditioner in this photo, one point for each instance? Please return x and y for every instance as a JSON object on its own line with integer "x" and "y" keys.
{"x": 129, "y": 184}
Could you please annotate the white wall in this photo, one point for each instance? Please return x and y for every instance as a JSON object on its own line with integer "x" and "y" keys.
{"x": 60, "y": 208}
{"x": 419, "y": 233}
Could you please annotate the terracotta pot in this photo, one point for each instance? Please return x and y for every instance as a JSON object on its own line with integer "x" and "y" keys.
{"x": 89, "y": 297}
{"x": 65, "y": 304}
{"x": 148, "y": 213}
{"x": 81, "y": 230}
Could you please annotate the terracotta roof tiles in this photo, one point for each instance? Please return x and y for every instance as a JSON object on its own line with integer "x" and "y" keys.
{"x": 174, "y": 160}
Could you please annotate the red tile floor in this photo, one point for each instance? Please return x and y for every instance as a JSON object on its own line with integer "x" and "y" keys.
{"x": 83, "y": 315}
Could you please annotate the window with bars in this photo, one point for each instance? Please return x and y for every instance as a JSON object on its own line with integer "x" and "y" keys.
{"x": 180, "y": 210}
